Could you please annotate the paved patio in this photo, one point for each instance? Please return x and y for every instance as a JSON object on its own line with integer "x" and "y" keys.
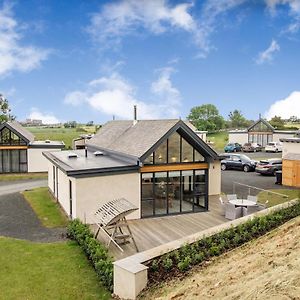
{"x": 152, "y": 232}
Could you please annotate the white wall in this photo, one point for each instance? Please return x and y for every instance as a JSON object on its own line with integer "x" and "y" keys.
{"x": 214, "y": 175}
{"x": 278, "y": 136}
{"x": 240, "y": 138}
{"x": 37, "y": 162}
{"x": 290, "y": 148}
{"x": 93, "y": 192}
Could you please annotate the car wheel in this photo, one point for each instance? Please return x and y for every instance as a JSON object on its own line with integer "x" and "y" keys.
{"x": 223, "y": 167}
{"x": 246, "y": 168}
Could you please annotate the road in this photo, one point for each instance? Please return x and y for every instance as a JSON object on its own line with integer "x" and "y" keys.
{"x": 9, "y": 187}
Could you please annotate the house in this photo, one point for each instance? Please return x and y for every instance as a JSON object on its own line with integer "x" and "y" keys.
{"x": 291, "y": 161}
{"x": 161, "y": 166}
{"x": 260, "y": 132}
{"x": 19, "y": 152}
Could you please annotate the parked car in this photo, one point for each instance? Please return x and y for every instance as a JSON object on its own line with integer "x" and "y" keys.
{"x": 269, "y": 166}
{"x": 252, "y": 147}
{"x": 233, "y": 147}
{"x": 237, "y": 162}
{"x": 273, "y": 147}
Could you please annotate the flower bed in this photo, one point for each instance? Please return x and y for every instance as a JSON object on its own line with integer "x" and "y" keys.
{"x": 179, "y": 261}
{"x": 96, "y": 252}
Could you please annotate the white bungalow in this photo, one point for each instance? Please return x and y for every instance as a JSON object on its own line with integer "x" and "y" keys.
{"x": 161, "y": 166}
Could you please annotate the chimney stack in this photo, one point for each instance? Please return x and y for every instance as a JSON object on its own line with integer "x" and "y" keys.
{"x": 134, "y": 115}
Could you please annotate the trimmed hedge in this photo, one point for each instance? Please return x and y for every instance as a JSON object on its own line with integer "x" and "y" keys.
{"x": 96, "y": 252}
{"x": 182, "y": 259}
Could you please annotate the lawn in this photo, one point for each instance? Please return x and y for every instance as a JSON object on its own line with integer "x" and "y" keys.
{"x": 61, "y": 134}
{"x": 277, "y": 199}
{"x": 46, "y": 271}
{"x": 219, "y": 140}
{"x": 22, "y": 176}
{"x": 47, "y": 210}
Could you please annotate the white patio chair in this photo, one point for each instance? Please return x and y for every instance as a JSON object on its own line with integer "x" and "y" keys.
{"x": 222, "y": 206}
{"x": 231, "y": 197}
{"x": 232, "y": 212}
{"x": 250, "y": 210}
{"x": 252, "y": 198}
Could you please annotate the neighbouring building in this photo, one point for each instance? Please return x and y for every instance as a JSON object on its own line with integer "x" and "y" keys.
{"x": 291, "y": 161}
{"x": 19, "y": 152}
{"x": 260, "y": 132}
{"x": 161, "y": 166}
{"x": 80, "y": 142}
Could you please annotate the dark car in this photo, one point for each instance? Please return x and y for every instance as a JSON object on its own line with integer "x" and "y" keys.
{"x": 233, "y": 147}
{"x": 237, "y": 162}
{"x": 269, "y": 166}
{"x": 252, "y": 147}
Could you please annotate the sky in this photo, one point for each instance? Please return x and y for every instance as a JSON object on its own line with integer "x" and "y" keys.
{"x": 93, "y": 60}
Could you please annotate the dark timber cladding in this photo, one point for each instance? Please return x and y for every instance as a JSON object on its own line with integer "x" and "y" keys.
{"x": 13, "y": 148}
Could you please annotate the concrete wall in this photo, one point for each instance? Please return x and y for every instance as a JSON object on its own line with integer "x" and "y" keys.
{"x": 278, "y": 136}
{"x": 50, "y": 177}
{"x": 240, "y": 138}
{"x": 290, "y": 148}
{"x": 93, "y": 192}
{"x": 214, "y": 175}
{"x": 36, "y": 161}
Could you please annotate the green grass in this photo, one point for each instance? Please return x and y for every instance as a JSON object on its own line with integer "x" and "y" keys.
{"x": 22, "y": 176}
{"x": 61, "y": 134}
{"x": 46, "y": 271}
{"x": 219, "y": 140}
{"x": 46, "y": 209}
{"x": 277, "y": 199}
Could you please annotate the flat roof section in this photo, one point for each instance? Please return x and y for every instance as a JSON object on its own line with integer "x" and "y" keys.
{"x": 47, "y": 144}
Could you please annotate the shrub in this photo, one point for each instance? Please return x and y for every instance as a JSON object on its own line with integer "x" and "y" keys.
{"x": 167, "y": 263}
{"x": 184, "y": 264}
{"x": 96, "y": 252}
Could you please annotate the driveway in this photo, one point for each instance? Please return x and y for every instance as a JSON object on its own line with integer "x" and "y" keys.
{"x": 8, "y": 187}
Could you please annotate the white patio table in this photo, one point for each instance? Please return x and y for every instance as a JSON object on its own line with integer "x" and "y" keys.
{"x": 242, "y": 202}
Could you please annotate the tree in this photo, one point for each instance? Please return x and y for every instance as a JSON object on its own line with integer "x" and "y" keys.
{"x": 206, "y": 117}
{"x": 70, "y": 124}
{"x": 4, "y": 109}
{"x": 277, "y": 122}
{"x": 237, "y": 119}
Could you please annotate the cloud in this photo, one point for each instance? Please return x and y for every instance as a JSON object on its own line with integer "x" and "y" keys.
{"x": 115, "y": 96}
{"x": 125, "y": 17}
{"x": 47, "y": 118}
{"x": 285, "y": 108}
{"x": 13, "y": 55}
{"x": 267, "y": 55}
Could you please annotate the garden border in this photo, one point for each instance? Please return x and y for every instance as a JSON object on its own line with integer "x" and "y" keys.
{"x": 131, "y": 274}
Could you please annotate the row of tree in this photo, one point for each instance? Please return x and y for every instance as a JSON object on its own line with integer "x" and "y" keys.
{"x": 207, "y": 117}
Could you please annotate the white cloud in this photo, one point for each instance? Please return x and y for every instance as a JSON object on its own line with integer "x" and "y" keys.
{"x": 13, "y": 55}
{"x": 122, "y": 18}
{"x": 113, "y": 95}
{"x": 267, "y": 55}
{"x": 294, "y": 5}
{"x": 47, "y": 118}
{"x": 285, "y": 108}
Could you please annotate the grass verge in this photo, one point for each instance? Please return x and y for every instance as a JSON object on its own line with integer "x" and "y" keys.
{"x": 48, "y": 211}
{"x": 46, "y": 271}
{"x": 22, "y": 176}
{"x": 219, "y": 140}
{"x": 274, "y": 199}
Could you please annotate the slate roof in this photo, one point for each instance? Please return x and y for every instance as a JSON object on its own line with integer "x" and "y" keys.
{"x": 133, "y": 140}
{"x": 19, "y": 129}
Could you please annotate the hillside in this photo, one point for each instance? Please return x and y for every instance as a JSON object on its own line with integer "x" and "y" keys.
{"x": 267, "y": 268}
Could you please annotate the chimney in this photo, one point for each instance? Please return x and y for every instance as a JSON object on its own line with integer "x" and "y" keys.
{"x": 134, "y": 115}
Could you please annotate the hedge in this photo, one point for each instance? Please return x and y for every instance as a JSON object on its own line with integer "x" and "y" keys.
{"x": 179, "y": 261}
{"x": 96, "y": 252}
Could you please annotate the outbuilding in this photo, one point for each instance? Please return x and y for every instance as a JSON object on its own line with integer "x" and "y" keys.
{"x": 20, "y": 153}
{"x": 161, "y": 166}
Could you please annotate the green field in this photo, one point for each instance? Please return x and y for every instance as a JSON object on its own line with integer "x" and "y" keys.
{"x": 46, "y": 271}
{"x": 218, "y": 140}
{"x": 274, "y": 199}
{"x": 61, "y": 134}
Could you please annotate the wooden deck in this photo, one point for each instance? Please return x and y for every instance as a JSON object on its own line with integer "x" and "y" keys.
{"x": 152, "y": 232}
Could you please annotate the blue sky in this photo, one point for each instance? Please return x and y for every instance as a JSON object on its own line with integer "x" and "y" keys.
{"x": 90, "y": 60}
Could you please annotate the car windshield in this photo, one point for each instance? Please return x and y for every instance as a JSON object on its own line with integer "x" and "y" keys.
{"x": 244, "y": 157}
{"x": 271, "y": 144}
{"x": 247, "y": 144}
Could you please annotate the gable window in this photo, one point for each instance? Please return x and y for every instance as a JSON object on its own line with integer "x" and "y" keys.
{"x": 174, "y": 150}
{"x": 7, "y": 137}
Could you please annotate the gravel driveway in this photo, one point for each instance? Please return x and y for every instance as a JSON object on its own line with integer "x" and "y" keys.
{"x": 18, "y": 220}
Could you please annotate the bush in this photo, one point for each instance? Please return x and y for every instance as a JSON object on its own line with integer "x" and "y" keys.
{"x": 183, "y": 258}
{"x": 94, "y": 250}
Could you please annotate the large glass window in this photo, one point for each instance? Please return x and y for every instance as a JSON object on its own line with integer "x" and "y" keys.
{"x": 175, "y": 150}
{"x": 174, "y": 192}
{"x": 7, "y": 137}
{"x": 13, "y": 161}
